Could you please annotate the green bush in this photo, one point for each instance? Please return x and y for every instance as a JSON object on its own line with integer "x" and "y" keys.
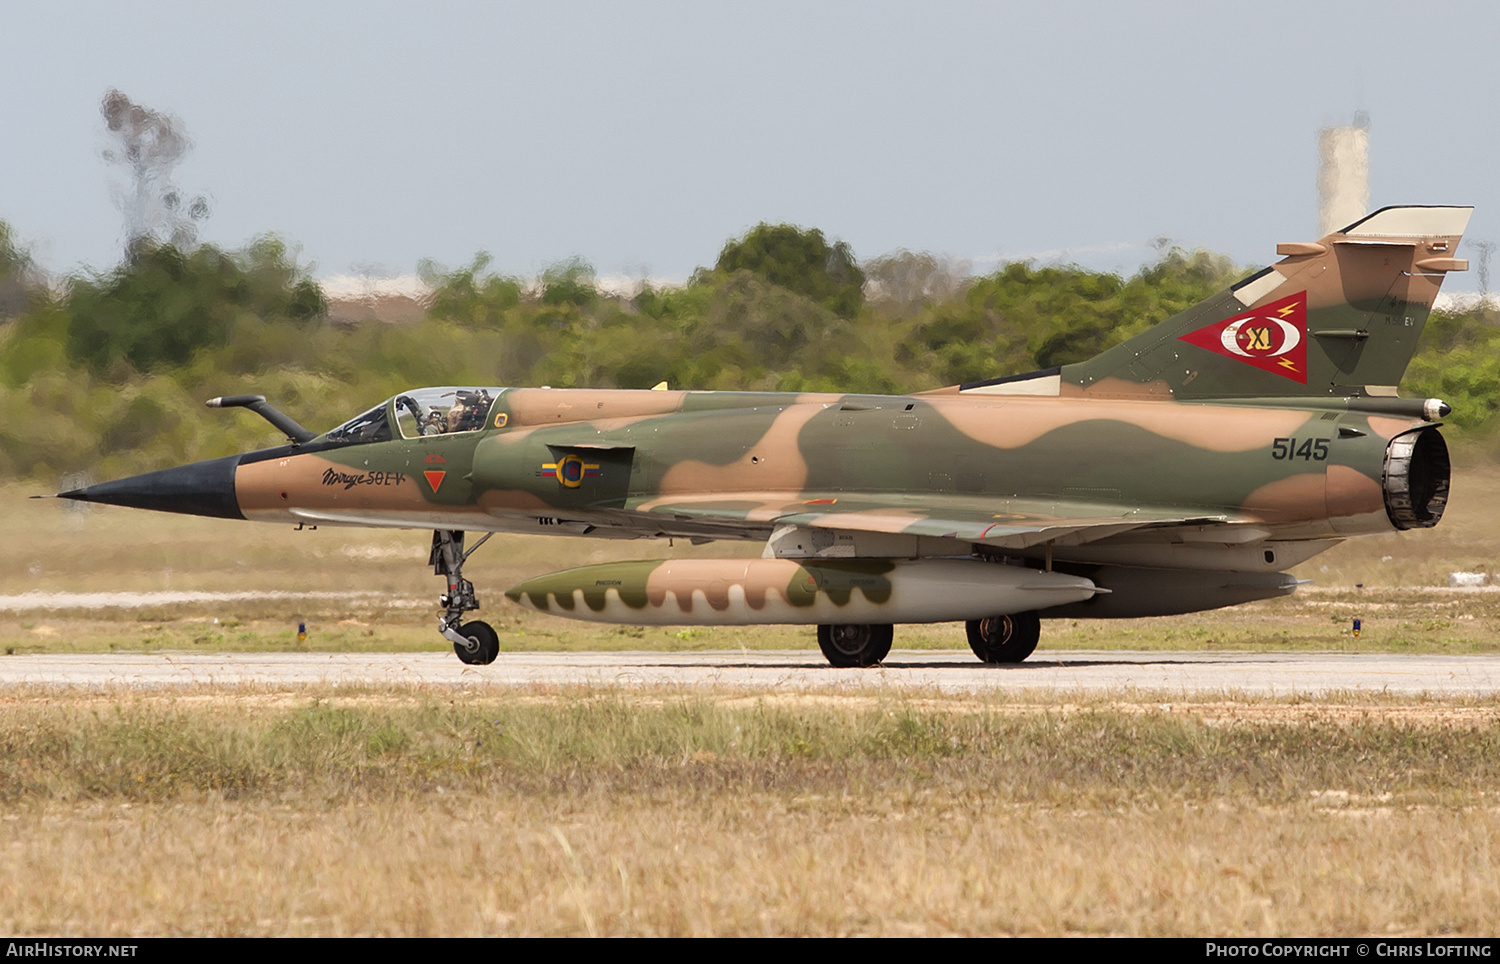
{"x": 800, "y": 261}
{"x": 163, "y": 305}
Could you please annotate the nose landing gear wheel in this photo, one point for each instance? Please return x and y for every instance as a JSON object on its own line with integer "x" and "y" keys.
{"x": 851, "y": 645}
{"x": 475, "y": 643}
{"x": 1004, "y": 639}
{"x": 483, "y": 639}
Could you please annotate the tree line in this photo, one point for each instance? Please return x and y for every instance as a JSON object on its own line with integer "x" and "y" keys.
{"x": 107, "y": 371}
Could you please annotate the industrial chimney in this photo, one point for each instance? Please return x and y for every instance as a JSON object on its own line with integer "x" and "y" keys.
{"x": 1343, "y": 174}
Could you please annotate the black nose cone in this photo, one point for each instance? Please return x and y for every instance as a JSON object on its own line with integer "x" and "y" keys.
{"x": 201, "y": 488}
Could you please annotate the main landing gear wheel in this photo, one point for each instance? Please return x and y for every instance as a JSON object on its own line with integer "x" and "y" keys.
{"x": 1004, "y": 639}
{"x": 484, "y": 644}
{"x": 851, "y": 645}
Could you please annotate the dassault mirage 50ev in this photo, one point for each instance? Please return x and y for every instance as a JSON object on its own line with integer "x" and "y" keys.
{"x": 1182, "y": 470}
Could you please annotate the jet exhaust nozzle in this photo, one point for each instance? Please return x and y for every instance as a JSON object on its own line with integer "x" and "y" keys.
{"x": 1417, "y": 475}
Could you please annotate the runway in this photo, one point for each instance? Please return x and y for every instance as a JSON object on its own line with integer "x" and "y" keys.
{"x": 1264, "y": 674}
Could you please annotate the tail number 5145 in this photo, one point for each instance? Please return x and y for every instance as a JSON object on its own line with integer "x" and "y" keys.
{"x": 1308, "y": 449}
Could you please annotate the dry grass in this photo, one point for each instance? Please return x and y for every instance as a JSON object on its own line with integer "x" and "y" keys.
{"x": 596, "y": 811}
{"x": 758, "y": 864}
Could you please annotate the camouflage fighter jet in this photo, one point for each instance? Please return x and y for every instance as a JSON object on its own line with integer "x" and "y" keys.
{"x": 1183, "y": 470}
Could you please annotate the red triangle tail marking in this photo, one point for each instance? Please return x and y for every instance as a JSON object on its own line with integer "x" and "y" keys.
{"x": 1272, "y": 337}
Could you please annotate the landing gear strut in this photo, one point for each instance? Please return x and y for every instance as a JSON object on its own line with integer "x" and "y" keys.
{"x": 475, "y": 642}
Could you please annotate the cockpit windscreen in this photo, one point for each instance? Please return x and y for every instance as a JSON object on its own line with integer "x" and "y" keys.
{"x": 372, "y": 426}
{"x": 444, "y": 411}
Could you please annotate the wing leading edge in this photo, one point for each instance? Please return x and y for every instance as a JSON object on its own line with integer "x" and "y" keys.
{"x": 1006, "y": 523}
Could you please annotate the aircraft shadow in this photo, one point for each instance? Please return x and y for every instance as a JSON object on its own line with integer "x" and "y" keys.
{"x": 1031, "y": 664}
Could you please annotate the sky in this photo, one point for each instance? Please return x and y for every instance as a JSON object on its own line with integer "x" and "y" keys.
{"x": 642, "y": 136}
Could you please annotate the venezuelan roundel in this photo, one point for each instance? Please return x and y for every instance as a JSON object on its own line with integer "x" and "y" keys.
{"x": 570, "y": 471}
{"x": 1272, "y": 337}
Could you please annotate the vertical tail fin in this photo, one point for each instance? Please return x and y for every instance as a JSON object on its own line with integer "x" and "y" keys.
{"x": 1340, "y": 316}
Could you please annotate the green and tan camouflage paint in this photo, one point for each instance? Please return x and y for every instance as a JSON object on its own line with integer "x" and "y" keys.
{"x": 1157, "y": 451}
{"x": 760, "y": 591}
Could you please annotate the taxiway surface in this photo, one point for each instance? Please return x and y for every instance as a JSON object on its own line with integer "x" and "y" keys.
{"x": 1269, "y": 674}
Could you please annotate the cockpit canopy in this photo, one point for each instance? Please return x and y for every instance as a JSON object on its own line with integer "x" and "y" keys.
{"x": 422, "y": 413}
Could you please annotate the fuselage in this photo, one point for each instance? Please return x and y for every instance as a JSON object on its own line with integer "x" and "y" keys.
{"x": 656, "y": 462}
{"x": 1185, "y": 468}
{"x": 1159, "y": 506}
